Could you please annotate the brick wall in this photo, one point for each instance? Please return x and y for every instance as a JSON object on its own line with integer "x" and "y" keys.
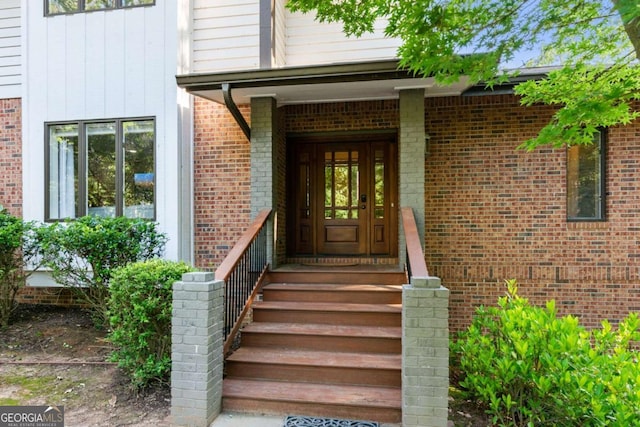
{"x": 222, "y": 180}
{"x": 11, "y": 155}
{"x": 494, "y": 212}
{"x": 342, "y": 116}
{"x": 48, "y": 295}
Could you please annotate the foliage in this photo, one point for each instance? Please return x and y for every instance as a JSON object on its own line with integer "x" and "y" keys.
{"x": 597, "y": 43}
{"x": 140, "y": 317}
{"x": 17, "y": 250}
{"x": 82, "y": 254}
{"x": 530, "y": 367}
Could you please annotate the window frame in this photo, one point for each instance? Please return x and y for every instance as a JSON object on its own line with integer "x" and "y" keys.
{"x": 602, "y": 142}
{"x": 82, "y": 198}
{"x": 82, "y": 7}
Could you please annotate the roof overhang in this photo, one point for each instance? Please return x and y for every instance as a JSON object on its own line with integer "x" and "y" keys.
{"x": 317, "y": 84}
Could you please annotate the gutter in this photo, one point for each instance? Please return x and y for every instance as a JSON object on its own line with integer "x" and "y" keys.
{"x": 235, "y": 112}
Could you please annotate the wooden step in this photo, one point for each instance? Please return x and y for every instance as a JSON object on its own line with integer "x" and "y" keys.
{"x": 323, "y": 400}
{"x": 315, "y": 366}
{"x": 343, "y": 338}
{"x": 338, "y": 276}
{"x": 323, "y": 292}
{"x": 328, "y": 313}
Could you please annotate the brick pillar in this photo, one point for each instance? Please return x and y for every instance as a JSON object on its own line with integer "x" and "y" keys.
{"x": 425, "y": 353}
{"x": 411, "y": 151}
{"x": 196, "y": 350}
{"x": 264, "y": 125}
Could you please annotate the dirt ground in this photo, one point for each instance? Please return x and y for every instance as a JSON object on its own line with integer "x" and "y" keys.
{"x": 54, "y": 356}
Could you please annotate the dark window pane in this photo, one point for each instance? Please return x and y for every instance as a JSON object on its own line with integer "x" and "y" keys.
{"x": 63, "y": 6}
{"x": 584, "y": 181}
{"x": 63, "y": 171}
{"x": 101, "y": 169}
{"x": 128, "y": 3}
{"x": 139, "y": 176}
{"x": 99, "y": 4}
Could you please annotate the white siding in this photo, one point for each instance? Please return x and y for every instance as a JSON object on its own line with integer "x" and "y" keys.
{"x": 310, "y": 42}
{"x": 101, "y": 65}
{"x": 280, "y": 42}
{"x": 225, "y": 35}
{"x": 10, "y": 49}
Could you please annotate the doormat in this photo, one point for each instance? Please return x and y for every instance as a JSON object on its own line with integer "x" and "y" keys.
{"x": 298, "y": 421}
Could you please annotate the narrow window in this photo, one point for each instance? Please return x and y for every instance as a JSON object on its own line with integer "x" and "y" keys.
{"x": 138, "y": 167}
{"x": 63, "y": 171}
{"x": 585, "y": 181}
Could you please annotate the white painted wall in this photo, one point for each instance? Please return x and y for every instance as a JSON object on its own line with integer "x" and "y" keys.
{"x": 225, "y": 35}
{"x": 10, "y": 49}
{"x": 309, "y": 43}
{"x": 103, "y": 64}
{"x": 280, "y": 48}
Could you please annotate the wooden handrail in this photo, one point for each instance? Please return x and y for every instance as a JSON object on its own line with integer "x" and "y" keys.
{"x": 415, "y": 255}
{"x": 233, "y": 257}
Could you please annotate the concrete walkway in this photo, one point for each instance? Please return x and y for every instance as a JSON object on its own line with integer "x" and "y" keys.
{"x": 232, "y": 419}
{"x": 248, "y": 420}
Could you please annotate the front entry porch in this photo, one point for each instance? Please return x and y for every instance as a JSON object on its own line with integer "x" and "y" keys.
{"x": 359, "y": 341}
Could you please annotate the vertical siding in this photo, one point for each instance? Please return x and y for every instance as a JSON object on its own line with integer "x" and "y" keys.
{"x": 10, "y": 49}
{"x": 225, "y": 35}
{"x": 280, "y": 42}
{"x": 310, "y": 42}
{"x": 102, "y": 65}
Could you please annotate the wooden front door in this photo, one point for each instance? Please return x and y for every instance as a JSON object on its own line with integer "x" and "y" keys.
{"x": 344, "y": 197}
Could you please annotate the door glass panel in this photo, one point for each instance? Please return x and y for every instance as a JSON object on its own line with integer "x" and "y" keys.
{"x": 341, "y": 183}
{"x": 379, "y": 184}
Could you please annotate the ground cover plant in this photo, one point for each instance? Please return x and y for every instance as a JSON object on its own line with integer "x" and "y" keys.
{"x": 529, "y": 367}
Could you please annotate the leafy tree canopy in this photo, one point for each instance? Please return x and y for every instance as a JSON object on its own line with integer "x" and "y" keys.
{"x": 594, "y": 43}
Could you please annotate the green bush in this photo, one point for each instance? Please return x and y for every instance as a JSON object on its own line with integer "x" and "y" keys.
{"x": 140, "y": 317}
{"x": 531, "y": 368}
{"x": 82, "y": 254}
{"x": 17, "y": 250}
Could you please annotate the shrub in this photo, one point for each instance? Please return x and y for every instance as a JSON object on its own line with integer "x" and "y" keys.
{"x": 530, "y": 367}
{"x": 82, "y": 254}
{"x": 140, "y": 318}
{"x": 17, "y": 249}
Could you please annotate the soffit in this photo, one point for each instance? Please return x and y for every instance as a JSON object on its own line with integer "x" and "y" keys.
{"x": 317, "y": 84}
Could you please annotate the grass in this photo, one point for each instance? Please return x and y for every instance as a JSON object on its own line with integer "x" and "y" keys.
{"x": 57, "y": 389}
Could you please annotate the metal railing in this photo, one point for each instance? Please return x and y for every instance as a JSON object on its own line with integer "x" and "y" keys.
{"x": 242, "y": 271}
{"x": 416, "y": 264}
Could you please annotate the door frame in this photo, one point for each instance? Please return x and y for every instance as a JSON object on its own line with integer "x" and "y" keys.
{"x": 302, "y": 233}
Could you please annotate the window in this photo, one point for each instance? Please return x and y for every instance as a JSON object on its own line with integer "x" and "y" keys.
{"x": 57, "y": 7}
{"x": 103, "y": 168}
{"x": 585, "y": 181}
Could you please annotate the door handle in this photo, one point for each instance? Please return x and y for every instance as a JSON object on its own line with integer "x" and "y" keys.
{"x": 363, "y": 198}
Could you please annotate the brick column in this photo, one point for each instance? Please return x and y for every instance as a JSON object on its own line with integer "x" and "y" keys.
{"x": 196, "y": 350}
{"x": 425, "y": 353}
{"x": 263, "y": 163}
{"x": 411, "y": 162}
